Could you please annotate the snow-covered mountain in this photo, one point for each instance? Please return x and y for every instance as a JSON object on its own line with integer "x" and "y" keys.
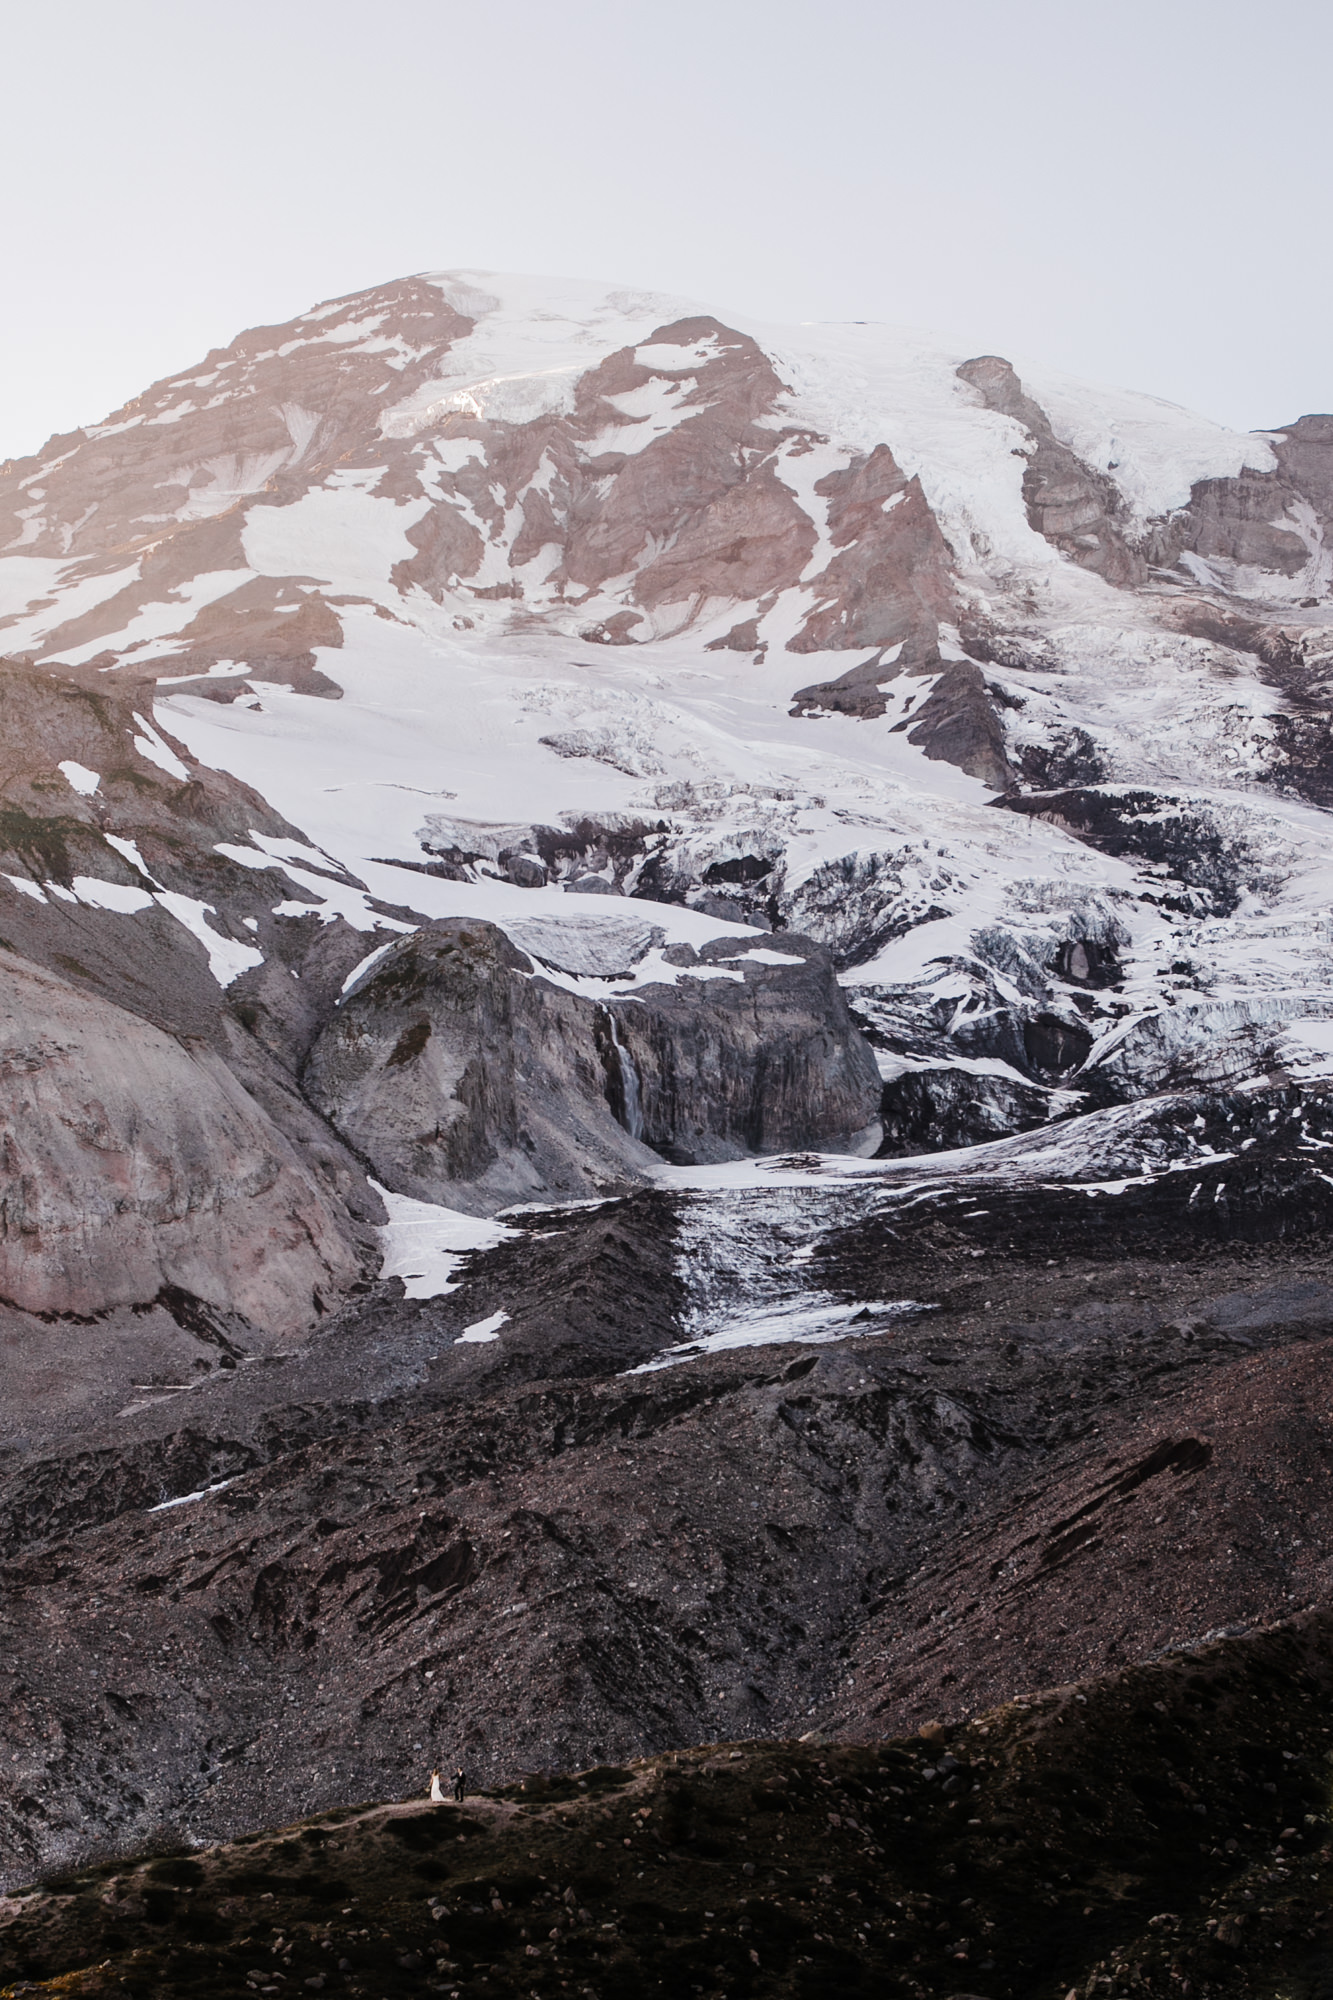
{"x": 782, "y": 814}
{"x": 1010, "y": 690}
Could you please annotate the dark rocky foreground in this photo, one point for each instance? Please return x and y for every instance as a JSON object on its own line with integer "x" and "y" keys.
{"x": 1163, "y": 1830}
{"x": 1099, "y": 1434}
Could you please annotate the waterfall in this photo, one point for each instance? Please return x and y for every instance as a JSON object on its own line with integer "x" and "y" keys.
{"x": 631, "y": 1103}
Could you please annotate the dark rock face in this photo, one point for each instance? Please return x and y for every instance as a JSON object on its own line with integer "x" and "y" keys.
{"x": 958, "y": 722}
{"x": 756, "y": 1062}
{"x": 1254, "y": 520}
{"x": 466, "y": 1080}
{"x": 933, "y": 1110}
{"x": 1071, "y": 759}
{"x": 1213, "y": 861}
{"x": 1054, "y": 1046}
{"x": 468, "y": 1077}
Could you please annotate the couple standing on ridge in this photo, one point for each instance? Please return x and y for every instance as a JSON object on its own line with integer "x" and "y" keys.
{"x": 437, "y": 1790}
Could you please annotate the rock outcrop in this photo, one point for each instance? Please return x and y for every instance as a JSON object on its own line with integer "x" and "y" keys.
{"x": 147, "y": 878}
{"x": 1075, "y": 507}
{"x": 724, "y": 1065}
{"x": 171, "y": 1203}
{"x": 889, "y": 582}
{"x": 1263, "y": 521}
{"x": 467, "y": 1077}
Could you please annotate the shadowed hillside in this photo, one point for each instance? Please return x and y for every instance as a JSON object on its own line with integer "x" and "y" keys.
{"x": 1163, "y": 1831}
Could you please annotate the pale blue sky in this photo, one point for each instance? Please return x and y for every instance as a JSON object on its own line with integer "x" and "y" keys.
{"x": 1138, "y": 192}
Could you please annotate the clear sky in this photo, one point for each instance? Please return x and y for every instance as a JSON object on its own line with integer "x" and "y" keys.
{"x": 1134, "y": 190}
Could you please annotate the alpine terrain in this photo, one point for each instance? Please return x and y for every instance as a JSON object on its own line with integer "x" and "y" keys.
{"x": 667, "y": 1026}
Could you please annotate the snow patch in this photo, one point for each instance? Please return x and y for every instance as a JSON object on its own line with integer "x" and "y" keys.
{"x": 151, "y": 746}
{"x": 811, "y": 1324}
{"x": 424, "y": 1244}
{"x": 131, "y": 854}
{"x": 228, "y": 958}
{"x": 84, "y": 781}
{"x": 160, "y": 618}
{"x": 118, "y": 896}
{"x": 221, "y": 670}
{"x": 186, "y": 1499}
{"x": 340, "y": 531}
{"x": 39, "y": 593}
{"x": 762, "y": 956}
{"x": 483, "y": 1329}
{"x": 654, "y": 408}
{"x": 362, "y": 966}
{"x": 330, "y": 897}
